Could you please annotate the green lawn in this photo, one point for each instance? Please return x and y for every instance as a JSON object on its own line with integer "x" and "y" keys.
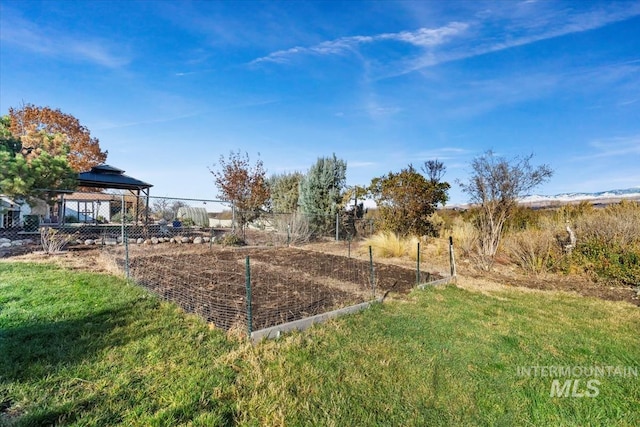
{"x": 90, "y": 349}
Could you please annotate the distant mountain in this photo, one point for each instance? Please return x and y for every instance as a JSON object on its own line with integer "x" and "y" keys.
{"x": 602, "y": 197}
{"x": 599, "y": 198}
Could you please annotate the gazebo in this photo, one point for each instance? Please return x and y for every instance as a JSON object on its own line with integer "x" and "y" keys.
{"x": 106, "y": 176}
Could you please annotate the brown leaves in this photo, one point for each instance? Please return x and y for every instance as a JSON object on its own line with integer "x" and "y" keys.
{"x": 45, "y": 129}
{"x": 243, "y": 184}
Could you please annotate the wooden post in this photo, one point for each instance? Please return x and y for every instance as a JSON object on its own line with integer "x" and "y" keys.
{"x": 418, "y": 265}
{"x": 371, "y": 272}
{"x": 452, "y": 259}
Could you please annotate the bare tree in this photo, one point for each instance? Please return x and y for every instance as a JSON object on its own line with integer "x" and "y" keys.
{"x": 495, "y": 185}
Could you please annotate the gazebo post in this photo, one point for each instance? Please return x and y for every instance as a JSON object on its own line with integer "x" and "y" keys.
{"x": 135, "y": 207}
{"x": 146, "y": 219}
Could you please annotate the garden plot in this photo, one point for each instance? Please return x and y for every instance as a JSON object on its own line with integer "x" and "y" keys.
{"x": 286, "y": 284}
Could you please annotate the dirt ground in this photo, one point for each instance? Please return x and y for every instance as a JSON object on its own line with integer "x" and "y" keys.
{"x": 505, "y": 275}
{"x": 291, "y": 283}
{"x": 286, "y": 283}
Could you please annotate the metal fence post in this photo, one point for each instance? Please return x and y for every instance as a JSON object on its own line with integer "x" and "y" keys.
{"x": 248, "y": 286}
{"x": 371, "y": 272}
{"x": 418, "y": 265}
{"x": 452, "y": 259}
{"x": 337, "y": 227}
{"x": 122, "y": 216}
{"x": 126, "y": 252}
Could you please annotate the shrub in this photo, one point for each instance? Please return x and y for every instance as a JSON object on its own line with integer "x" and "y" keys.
{"x": 232, "y": 239}
{"x": 465, "y": 236}
{"x": 533, "y": 250}
{"x": 611, "y": 262}
{"x": 117, "y": 218}
{"x": 609, "y": 243}
{"x": 188, "y": 222}
{"x": 295, "y": 227}
{"x": 389, "y": 245}
{"x": 53, "y": 241}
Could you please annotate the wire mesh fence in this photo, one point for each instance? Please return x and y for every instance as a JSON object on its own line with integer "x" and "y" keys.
{"x": 179, "y": 249}
{"x": 100, "y": 218}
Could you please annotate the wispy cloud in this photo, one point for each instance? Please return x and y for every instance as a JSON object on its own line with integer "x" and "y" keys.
{"x": 195, "y": 72}
{"x": 613, "y": 147}
{"x": 527, "y": 23}
{"x": 522, "y": 32}
{"x": 19, "y": 32}
{"x": 110, "y": 126}
{"x": 423, "y": 37}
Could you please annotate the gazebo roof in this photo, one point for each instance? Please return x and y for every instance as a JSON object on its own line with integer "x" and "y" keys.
{"x": 105, "y": 176}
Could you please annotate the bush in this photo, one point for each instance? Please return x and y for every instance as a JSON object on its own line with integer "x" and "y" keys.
{"x": 188, "y": 222}
{"x": 117, "y": 218}
{"x": 609, "y": 243}
{"x": 389, "y": 245}
{"x": 465, "y": 236}
{"x": 535, "y": 251}
{"x": 232, "y": 239}
{"x": 293, "y": 228}
{"x": 54, "y": 241}
{"x": 612, "y": 263}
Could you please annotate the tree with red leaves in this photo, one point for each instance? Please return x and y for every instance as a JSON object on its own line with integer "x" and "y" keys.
{"x": 242, "y": 184}
{"x": 43, "y": 129}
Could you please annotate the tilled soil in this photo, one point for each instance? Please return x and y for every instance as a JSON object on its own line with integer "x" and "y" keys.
{"x": 286, "y": 284}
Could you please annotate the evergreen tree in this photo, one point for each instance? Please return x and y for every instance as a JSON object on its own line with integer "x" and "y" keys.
{"x": 284, "y": 191}
{"x": 35, "y": 178}
{"x": 320, "y": 193}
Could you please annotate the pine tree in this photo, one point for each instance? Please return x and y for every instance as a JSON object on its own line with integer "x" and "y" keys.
{"x": 320, "y": 193}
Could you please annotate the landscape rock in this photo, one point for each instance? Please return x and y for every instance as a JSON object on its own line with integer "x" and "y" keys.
{"x": 89, "y": 242}
{"x": 154, "y": 241}
{"x": 184, "y": 240}
{"x": 140, "y": 240}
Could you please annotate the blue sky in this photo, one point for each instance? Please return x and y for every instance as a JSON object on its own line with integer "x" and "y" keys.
{"x": 170, "y": 86}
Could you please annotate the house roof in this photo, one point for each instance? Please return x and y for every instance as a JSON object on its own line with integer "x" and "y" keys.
{"x": 5, "y": 201}
{"x": 105, "y": 176}
{"x": 95, "y": 197}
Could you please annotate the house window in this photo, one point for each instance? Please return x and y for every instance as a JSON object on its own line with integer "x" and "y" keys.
{"x": 11, "y": 218}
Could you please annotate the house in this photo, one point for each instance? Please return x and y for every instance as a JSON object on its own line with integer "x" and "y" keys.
{"x": 89, "y": 208}
{"x": 9, "y": 213}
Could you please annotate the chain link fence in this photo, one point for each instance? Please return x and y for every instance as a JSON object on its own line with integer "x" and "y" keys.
{"x": 185, "y": 251}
